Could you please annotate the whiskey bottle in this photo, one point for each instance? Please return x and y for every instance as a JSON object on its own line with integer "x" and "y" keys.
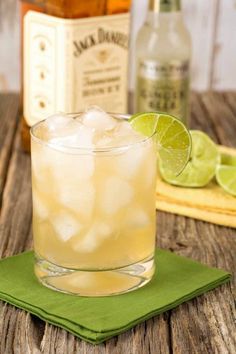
{"x": 163, "y": 52}
{"x": 117, "y": 6}
{"x": 75, "y": 53}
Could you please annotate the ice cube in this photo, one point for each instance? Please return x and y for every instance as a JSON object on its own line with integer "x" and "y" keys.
{"x": 67, "y": 168}
{"x": 78, "y": 197}
{"x": 96, "y": 118}
{"x": 124, "y": 128}
{"x": 39, "y": 161}
{"x": 65, "y": 226}
{"x": 104, "y": 141}
{"x": 130, "y": 161}
{"x": 67, "y": 131}
{"x": 65, "y": 161}
{"x": 76, "y": 136}
{"x": 104, "y": 230}
{"x": 116, "y": 194}
{"x": 93, "y": 238}
{"x": 137, "y": 217}
{"x": 60, "y": 124}
{"x": 84, "y": 137}
{"x": 39, "y": 206}
{"x": 125, "y": 135}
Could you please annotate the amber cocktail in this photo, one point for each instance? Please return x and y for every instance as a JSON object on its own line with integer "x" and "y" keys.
{"x": 93, "y": 203}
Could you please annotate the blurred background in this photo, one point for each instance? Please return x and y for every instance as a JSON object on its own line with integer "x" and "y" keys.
{"x": 211, "y": 23}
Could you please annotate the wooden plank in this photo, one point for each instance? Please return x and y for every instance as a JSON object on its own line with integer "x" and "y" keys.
{"x": 230, "y": 98}
{"x": 206, "y": 324}
{"x": 139, "y": 340}
{"x": 220, "y": 116}
{"x": 8, "y": 122}
{"x": 9, "y": 44}
{"x": 224, "y": 74}
{"x": 17, "y": 328}
{"x": 3, "y": 83}
{"x": 200, "y": 17}
{"x": 199, "y": 117}
{"x": 16, "y": 214}
{"x": 214, "y": 47}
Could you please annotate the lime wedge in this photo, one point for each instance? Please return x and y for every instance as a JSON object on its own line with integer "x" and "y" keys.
{"x": 226, "y": 178}
{"x": 228, "y": 160}
{"x": 173, "y": 138}
{"x": 202, "y": 165}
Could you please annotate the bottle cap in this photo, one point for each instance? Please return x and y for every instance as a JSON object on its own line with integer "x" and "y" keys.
{"x": 164, "y": 5}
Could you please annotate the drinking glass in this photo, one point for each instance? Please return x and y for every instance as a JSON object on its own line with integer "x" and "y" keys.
{"x": 94, "y": 219}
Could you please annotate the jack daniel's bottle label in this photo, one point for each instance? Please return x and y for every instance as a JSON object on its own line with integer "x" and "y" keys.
{"x": 163, "y": 87}
{"x": 69, "y": 64}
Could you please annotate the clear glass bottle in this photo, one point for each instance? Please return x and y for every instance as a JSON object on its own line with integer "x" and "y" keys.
{"x": 163, "y": 51}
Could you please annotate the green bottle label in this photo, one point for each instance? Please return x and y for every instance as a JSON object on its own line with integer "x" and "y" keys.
{"x": 163, "y": 87}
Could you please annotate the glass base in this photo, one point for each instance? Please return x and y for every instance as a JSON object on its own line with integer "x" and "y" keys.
{"x": 94, "y": 283}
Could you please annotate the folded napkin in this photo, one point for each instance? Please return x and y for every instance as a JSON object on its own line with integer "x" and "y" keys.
{"x": 210, "y": 203}
{"x": 177, "y": 280}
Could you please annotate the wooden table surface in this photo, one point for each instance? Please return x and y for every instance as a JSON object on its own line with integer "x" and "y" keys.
{"x": 203, "y": 325}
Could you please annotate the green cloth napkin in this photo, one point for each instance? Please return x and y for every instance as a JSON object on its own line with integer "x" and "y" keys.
{"x": 177, "y": 280}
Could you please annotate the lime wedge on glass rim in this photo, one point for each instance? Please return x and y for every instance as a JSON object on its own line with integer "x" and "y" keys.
{"x": 201, "y": 167}
{"x": 172, "y": 136}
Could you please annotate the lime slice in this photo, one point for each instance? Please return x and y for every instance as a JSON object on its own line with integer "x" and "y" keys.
{"x": 228, "y": 160}
{"x": 226, "y": 178}
{"x": 202, "y": 165}
{"x": 173, "y": 138}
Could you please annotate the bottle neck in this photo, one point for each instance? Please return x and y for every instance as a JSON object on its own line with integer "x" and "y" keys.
{"x": 158, "y": 6}
{"x": 164, "y": 20}
{"x": 164, "y": 13}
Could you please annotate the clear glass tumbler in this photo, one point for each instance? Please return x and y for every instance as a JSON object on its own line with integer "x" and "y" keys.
{"x": 94, "y": 219}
